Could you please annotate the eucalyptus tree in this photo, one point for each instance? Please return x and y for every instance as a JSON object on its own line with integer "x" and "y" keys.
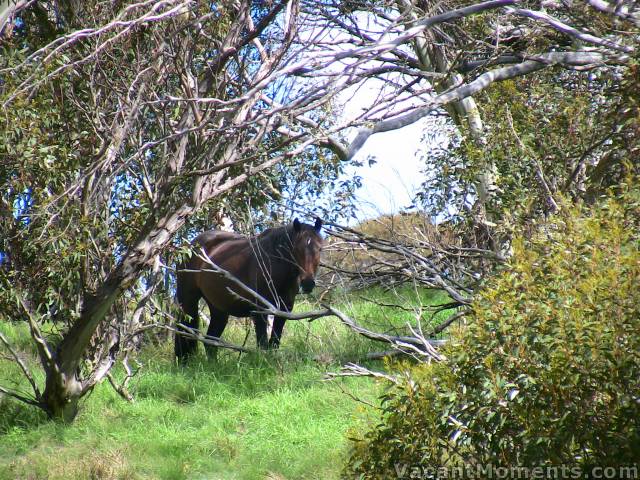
{"x": 453, "y": 67}
{"x": 122, "y": 121}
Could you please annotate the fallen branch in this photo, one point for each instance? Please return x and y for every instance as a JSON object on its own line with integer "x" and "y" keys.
{"x": 353, "y": 370}
{"x": 193, "y": 334}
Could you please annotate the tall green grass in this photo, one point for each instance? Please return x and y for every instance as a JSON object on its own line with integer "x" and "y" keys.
{"x": 251, "y": 416}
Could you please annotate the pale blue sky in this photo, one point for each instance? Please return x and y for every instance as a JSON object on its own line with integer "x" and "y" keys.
{"x": 391, "y": 183}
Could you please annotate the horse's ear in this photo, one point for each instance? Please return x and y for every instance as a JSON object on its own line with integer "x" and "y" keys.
{"x": 318, "y": 225}
{"x": 296, "y": 225}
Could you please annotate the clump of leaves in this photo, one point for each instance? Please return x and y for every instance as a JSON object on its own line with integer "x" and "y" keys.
{"x": 547, "y": 372}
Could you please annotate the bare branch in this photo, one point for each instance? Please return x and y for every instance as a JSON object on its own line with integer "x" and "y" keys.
{"x": 20, "y": 396}
{"x": 569, "y": 30}
{"x": 415, "y": 344}
{"x": 46, "y": 356}
{"x": 194, "y": 334}
{"x": 621, "y": 11}
{"x": 569, "y": 59}
{"x": 22, "y": 365}
{"x": 354, "y": 370}
{"x": 449, "y": 321}
{"x": 122, "y": 387}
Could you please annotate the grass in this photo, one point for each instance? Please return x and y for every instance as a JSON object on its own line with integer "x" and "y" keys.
{"x": 266, "y": 415}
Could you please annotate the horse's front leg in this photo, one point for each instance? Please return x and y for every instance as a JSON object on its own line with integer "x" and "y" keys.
{"x": 217, "y": 323}
{"x": 276, "y": 332}
{"x": 185, "y": 347}
{"x": 260, "y": 321}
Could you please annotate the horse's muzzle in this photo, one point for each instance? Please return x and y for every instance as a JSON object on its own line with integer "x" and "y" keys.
{"x": 307, "y": 285}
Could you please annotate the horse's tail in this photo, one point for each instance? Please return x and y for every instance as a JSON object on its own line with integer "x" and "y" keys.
{"x": 187, "y": 295}
{"x": 187, "y": 291}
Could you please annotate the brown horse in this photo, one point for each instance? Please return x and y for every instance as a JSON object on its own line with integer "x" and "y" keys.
{"x": 275, "y": 264}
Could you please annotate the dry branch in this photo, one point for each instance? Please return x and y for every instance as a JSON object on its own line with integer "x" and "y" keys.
{"x": 354, "y": 370}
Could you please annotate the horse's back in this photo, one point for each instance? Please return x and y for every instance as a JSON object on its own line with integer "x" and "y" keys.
{"x": 211, "y": 238}
{"x": 187, "y": 281}
{"x": 226, "y": 249}
{"x": 231, "y": 252}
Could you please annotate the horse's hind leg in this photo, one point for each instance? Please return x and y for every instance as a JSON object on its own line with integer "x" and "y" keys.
{"x": 217, "y": 323}
{"x": 185, "y": 347}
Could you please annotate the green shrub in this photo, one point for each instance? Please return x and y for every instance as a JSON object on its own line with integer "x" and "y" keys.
{"x": 547, "y": 371}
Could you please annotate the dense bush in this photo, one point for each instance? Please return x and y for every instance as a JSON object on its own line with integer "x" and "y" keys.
{"x": 547, "y": 371}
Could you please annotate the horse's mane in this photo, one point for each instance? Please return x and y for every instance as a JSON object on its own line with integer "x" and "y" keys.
{"x": 274, "y": 236}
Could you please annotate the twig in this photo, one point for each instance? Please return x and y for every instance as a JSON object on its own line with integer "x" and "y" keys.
{"x": 46, "y": 357}
{"x": 192, "y": 333}
{"x": 122, "y": 388}
{"x": 354, "y": 370}
{"x": 443, "y": 326}
{"x": 538, "y": 168}
{"x": 20, "y": 396}
{"x": 348, "y": 393}
{"x": 22, "y": 365}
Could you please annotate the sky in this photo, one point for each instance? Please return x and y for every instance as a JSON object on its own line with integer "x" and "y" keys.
{"x": 390, "y": 184}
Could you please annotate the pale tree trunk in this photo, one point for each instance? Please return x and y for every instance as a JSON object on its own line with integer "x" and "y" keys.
{"x": 433, "y": 58}
{"x": 64, "y": 384}
{"x": 64, "y": 388}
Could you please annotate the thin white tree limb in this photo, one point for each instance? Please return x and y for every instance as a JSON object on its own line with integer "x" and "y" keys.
{"x": 569, "y": 59}
{"x": 568, "y": 29}
{"x": 620, "y": 10}
{"x": 354, "y": 370}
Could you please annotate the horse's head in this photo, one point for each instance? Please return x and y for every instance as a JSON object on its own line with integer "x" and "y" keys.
{"x": 307, "y": 244}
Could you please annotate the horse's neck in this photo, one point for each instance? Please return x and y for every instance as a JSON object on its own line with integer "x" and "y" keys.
{"x": 276, "y": 255}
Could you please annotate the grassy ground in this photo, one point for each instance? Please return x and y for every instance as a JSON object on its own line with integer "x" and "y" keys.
{"x": 254, "y": 416}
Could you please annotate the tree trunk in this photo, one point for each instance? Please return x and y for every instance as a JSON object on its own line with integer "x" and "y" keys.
{"x": 61, "y": 396}
{"x": 464, "y": 113}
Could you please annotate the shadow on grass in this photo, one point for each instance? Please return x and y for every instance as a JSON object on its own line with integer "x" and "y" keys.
{"x": 18, "y": 415}
{"x": 242, "y": 376}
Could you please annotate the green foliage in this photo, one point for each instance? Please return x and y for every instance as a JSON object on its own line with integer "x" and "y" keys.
{"x": 556, "y": 128}
{"x": 34, "y": 171}
{"x": 547, "y": 371}
{"x": 558, "y": 133}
